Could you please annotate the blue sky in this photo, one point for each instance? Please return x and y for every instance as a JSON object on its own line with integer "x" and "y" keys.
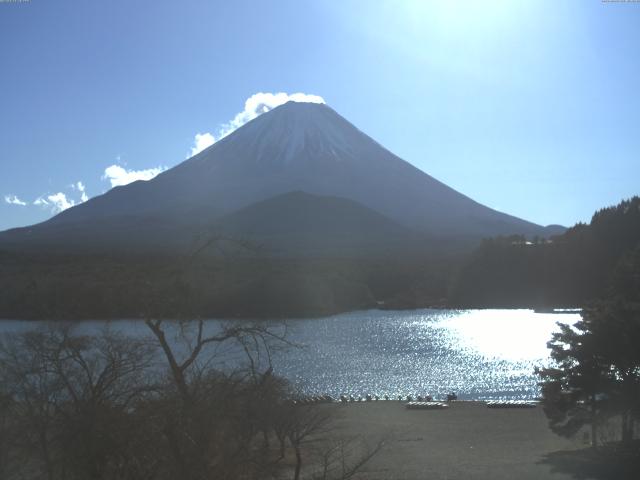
{"x": 532, "y": 108}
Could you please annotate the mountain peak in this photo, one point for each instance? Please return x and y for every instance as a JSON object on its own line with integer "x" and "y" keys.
{"x": 290, "y": 133}
{"x": 301, "y": 110}
{"x": 294, "y": 104}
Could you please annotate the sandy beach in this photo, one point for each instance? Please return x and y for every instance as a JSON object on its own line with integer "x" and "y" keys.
{"x": 465, "y": 441}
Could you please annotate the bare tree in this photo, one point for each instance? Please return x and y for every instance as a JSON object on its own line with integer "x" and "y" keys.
{"x": 216, "y": 415}
{"x": 254, "y": 339}
{"x": 71, "y": 396}
{"x": 305, "y": 422}
{"x": 98, "y": 407}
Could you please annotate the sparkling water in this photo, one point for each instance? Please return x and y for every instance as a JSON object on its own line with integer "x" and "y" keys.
{"x": 478, "y": 354}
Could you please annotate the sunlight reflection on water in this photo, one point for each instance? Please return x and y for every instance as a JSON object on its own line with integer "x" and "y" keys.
{"x": 513, "y": 335}
{"x": 480, "y": 354}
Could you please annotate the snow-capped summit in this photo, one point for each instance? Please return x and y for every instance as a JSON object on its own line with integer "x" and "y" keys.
{"x": 295, "y": 131}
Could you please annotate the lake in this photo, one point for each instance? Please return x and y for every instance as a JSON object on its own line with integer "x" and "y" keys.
{"x": 479, "y": 354}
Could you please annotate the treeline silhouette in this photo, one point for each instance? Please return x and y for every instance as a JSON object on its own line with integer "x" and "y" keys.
{"x": 41, "y": 286}
{"x": 586, "y": 262}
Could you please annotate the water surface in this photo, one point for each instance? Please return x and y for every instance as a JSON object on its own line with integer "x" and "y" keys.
{"x": 479, "y": 354}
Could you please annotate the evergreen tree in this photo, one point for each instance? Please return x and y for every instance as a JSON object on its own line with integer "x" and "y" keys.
{"x": 597, "y": 372}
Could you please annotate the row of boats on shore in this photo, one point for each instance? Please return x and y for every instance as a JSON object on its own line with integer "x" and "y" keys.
{"x": 409, "y": 398}
{"x": 420, "y": 402}
{"x": 368, "y": 398}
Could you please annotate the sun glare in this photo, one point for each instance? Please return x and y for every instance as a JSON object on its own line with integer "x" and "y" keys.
{"x": 507, "y": 334}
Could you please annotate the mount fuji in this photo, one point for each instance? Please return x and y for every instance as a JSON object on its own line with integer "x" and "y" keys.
{"x": 338, "y": 173}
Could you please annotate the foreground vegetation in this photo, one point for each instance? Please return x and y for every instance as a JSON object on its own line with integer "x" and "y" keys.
{"x": 596, "y": 379}
{"x": 115, "y": 407}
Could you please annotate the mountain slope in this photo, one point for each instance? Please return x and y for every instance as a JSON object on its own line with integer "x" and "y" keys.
{"x": 295, "y": 147}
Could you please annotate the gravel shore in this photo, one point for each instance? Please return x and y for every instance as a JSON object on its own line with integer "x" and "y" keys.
{"x": 465, "y": 441}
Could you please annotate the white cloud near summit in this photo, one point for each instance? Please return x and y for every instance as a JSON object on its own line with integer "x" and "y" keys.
{"x": 255, "y": 105}
{"x": 119, "y": 176}
{"x": 201, "y": 141}
{"x": 260, "y": 103}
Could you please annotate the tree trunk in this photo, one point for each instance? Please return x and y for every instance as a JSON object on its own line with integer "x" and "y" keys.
{"x": 44, "y": 444}
{"x": 594, "y": 426}
{"x": 176, "y": 369}
{"x": 296, "y": 475}
{"x": 281, "y": 441}
{"x": 627, "y": 427}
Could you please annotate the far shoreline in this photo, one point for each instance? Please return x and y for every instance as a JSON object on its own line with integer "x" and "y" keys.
{"x": 295, "y": 317}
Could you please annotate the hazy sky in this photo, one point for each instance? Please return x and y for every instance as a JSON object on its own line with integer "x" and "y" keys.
{"x": 532, "y": 108}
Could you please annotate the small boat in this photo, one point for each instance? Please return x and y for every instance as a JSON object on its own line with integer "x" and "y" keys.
{"x": 426, "y": 405}
{"x": 511, "y": 404}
